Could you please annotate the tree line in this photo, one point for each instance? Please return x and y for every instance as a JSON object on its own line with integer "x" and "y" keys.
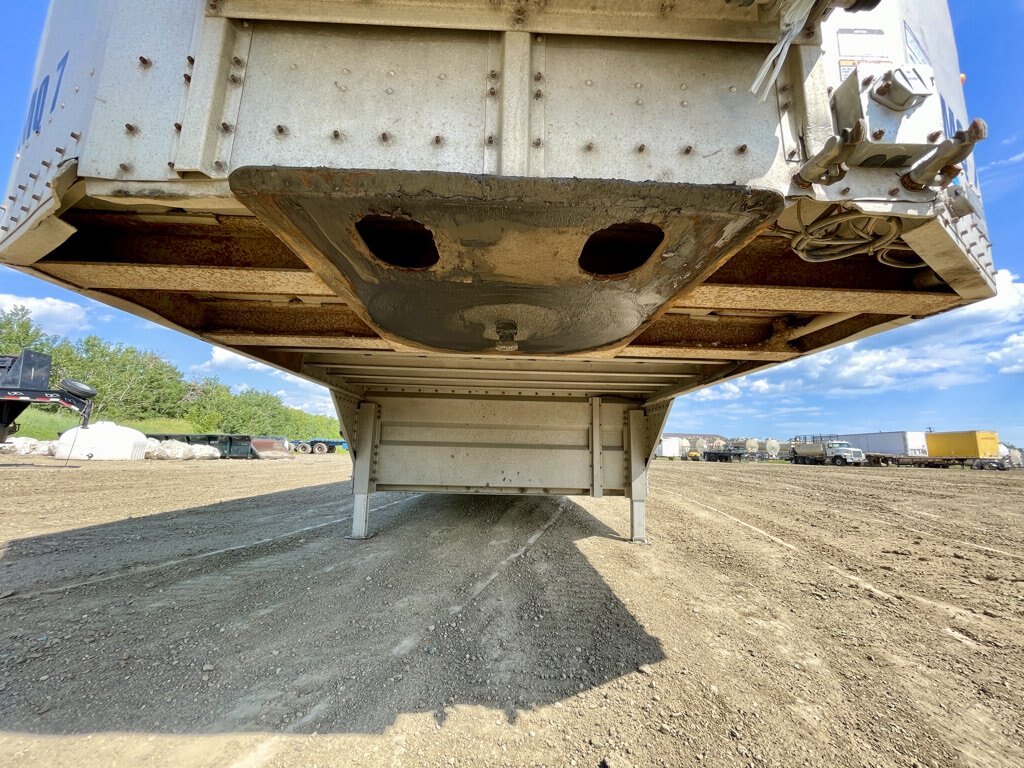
{"x": 134, "y": 385}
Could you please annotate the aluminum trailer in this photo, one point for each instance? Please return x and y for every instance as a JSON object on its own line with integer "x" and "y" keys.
{"x": 505, "y": 234}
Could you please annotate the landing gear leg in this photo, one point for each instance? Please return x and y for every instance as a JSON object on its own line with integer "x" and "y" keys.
{"x": 364, "y": 458}
{"x": 636, "y": 487}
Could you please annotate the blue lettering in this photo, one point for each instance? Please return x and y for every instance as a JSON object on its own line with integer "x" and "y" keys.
{"x": 37, "y": 120}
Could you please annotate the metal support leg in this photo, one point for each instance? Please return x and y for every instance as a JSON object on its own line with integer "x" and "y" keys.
{"x": 364, "y": 456}
{"x": 637, "y": 483}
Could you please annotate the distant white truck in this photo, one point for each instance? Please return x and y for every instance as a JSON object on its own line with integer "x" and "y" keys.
{"x": 825, "y": 450}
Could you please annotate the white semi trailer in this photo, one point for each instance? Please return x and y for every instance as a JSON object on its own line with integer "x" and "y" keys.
{"x": 504, "y": 234}
{"x": 889, "y": 443}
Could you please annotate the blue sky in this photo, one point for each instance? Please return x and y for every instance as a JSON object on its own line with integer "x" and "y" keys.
{"x": 961, "y": 370}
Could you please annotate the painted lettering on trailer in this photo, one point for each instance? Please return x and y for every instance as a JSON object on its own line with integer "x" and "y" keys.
{"x": 40, "y": 101}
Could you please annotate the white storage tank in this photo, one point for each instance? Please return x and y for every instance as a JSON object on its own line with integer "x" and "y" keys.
{"x": 1015, "y": 458}
{"x": 889, "y": 443}
{"x": 771, "y": 447}
{"x": 102, "y": 441}
{"x": 671, "y": 447}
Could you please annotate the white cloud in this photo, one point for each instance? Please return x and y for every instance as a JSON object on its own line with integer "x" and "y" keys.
{"x": 225, "y": 360}
{"x": 727, "y": 391}
{"x": 311, "y": 402}
{"x": 765, "y": 387}
{"x": 1014, "y": 160}
{"x": 52, "y": 315}
{"x": 1010, "y": 357}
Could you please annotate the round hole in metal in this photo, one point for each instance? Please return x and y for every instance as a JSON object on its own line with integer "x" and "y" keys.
{"x": 399, "y": 242}
{"x": 620, "y": 248}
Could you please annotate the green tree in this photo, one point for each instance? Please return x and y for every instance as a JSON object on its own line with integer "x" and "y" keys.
{"x": 18, "y": 332}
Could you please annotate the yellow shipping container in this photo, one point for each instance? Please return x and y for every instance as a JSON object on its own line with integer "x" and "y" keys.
{"x": 978, "y": 445}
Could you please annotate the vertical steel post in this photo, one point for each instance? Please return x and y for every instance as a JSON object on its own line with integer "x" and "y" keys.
{"x": 364, "y": 456}
{"x": 636, "y": 482}
{"x": 596, "y": 457}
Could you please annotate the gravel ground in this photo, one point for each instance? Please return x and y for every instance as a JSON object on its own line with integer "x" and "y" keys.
{"x": 214, "y": 614}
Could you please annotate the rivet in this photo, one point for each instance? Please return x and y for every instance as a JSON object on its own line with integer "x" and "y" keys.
{"x": 26, "y": 209}
{"x": 281, "y": 130}
{"x": 438, "y": 140}
{"x": 538, "y": 94}
{"x": 493, "y": 74}
{"x": 684, "y": 103}
{"x": 15, "y": 219}
{"x": 191, "y": 60}
{"x": 37, "y": 197}
{"x": 385, "y": 137}
{"x": 124, "y": 167}
{"x": 59, "y": 150}
{"x": 742, "y": 149}
{"x": 844, "y": 191}
{"x": 234, "y": 79}
{"x": 33, "y": 176}
{"x": 732, "y": 89}
{"x": 879, "y": 134}
{"x": 188, "y": 78}
{"x": 589, "y": 147}
{"x": 442, "y": 76}
{"x": 170, "y": 164}
{"x": 345, "y": 71}
{"x": 688, "y": 149}
{"x": 490, "y": 140}
{"x": 639, "y": 102}
{"x": 492, "y": 91}
{"x": 539, "y": 38}
{"x": 538, "y": 143}
{"x": 391, "y": 73}
{"x": 76, "y": 135}
{"x": 934, "y": 136}
{"x": 783, "y": 89}
{"x": 218, "y": 165}
{"x": 642, "y": 148}
{"x": 894, "y": 191}
{"x": 130, "y": 128}
{"x": 336, "y": 134}
{"x": 226, "y": 127}
{"x": 538, "y": 76}
{"x": 236, "y": 60}
{"x": 144, "y": 62}
{"x": 389, "y": 91}
{"x": 683, "y": 86}
{"x": 46, "y": 163}
{"x": 177, "y": 127}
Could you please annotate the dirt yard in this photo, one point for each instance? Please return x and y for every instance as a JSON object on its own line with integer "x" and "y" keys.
{"x": 214, "y": 614}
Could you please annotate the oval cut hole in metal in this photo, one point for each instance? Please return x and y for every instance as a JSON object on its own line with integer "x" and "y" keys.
{"x": 402, "y": 243}
{"x": 620, "y": 248}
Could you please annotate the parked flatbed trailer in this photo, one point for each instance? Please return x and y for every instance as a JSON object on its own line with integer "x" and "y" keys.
{"x": 727, "y": 455}
{"x": 320, "y": 445}
{"x": 935, "y": 462}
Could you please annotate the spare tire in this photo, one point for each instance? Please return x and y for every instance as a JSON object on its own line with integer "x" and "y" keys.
{"x": 78, "y": 389}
